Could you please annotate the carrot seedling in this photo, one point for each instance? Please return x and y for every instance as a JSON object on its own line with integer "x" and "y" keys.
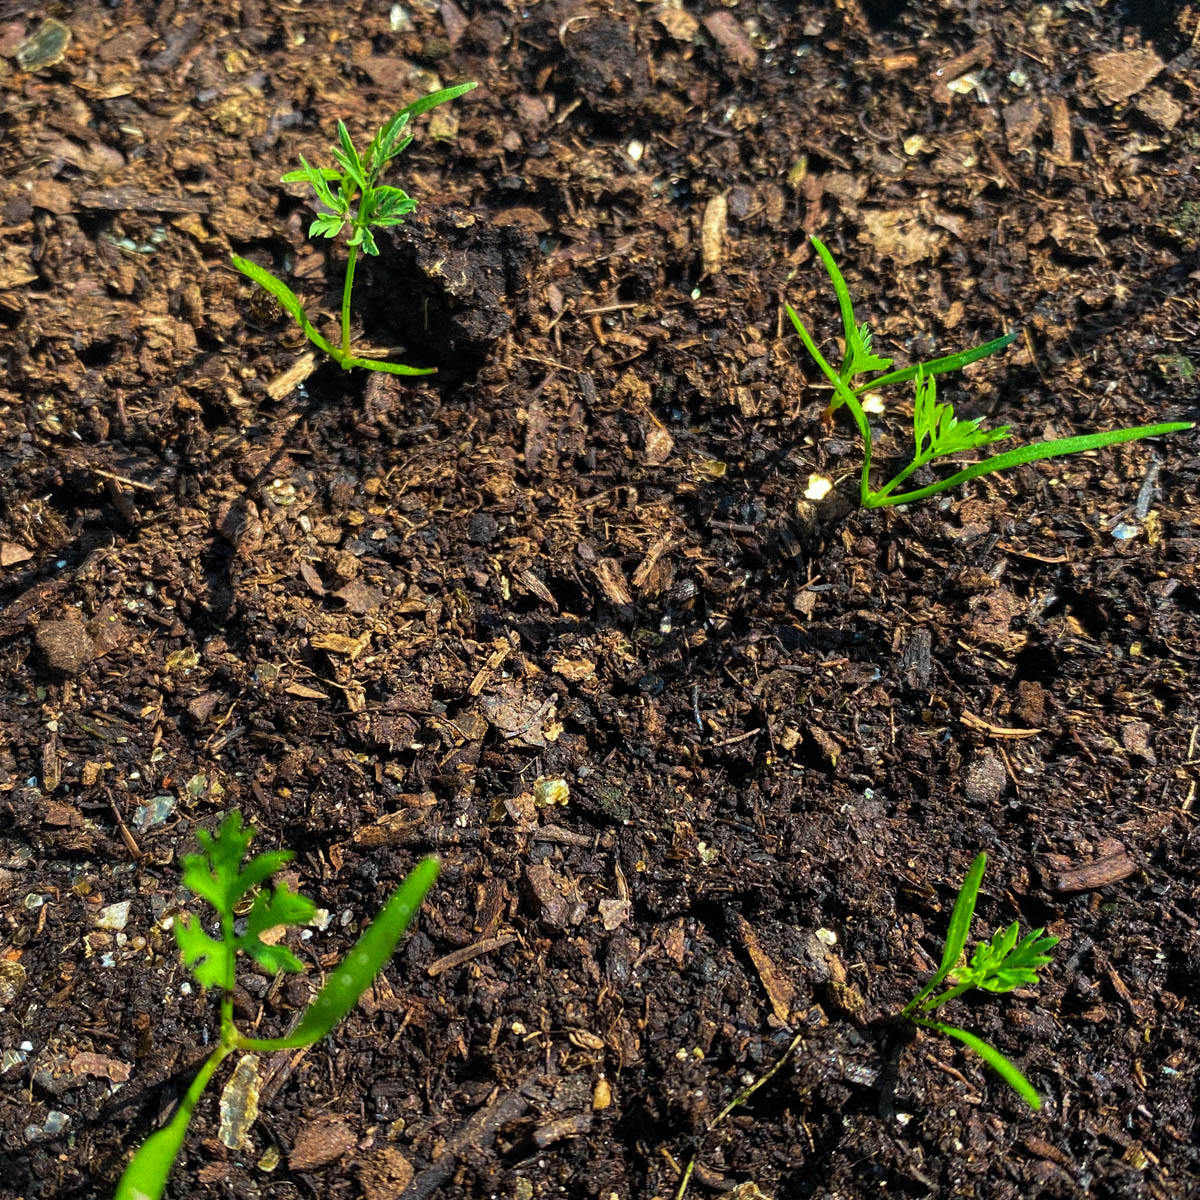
{"x": 355, "y": 199}
{"x": 220, "y": 876}
{"x": 936, "y": 430}
{"x": 1000, "y": 965}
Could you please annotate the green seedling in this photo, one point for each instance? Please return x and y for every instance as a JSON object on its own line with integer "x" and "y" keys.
{"x": 220, "y": 876}
{"x": 996, "y": 966}
{"x": 937, "y": 432}
{"x": 354, "y": 199}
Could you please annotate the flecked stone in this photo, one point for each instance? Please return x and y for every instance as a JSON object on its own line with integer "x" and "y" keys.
{"x": 65, "y": 645}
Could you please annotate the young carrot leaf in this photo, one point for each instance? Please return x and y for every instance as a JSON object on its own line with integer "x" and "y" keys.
{"x": 377, "y": 206}
{"x": 998, "y": 965}
{"x": 937, "y": 432}
{"x": 221, "y": 875}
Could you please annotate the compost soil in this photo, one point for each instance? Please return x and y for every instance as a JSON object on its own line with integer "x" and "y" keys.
{"x": 382, "y": 617}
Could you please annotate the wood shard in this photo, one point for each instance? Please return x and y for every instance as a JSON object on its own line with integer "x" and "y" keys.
{"x": 286, "y": 382}
{"x": 971, "y": 721}
{"x": 611, "y": 579}
{"x": 1088, "y": 877}
{"x": 563, "y": 1127}
{"x": 1120, "y": 75}
{"x": 132, "y": 199}
{"x": 457, "y": 957}
{"x": 646, "y": 566}
{"x": 712, "y": 234}
{"x": 780, "y": 991}
{"x": 728, "y": 32}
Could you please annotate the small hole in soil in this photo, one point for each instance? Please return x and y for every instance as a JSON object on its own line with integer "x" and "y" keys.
{"x": 883, "y": 12}
{"x": 99, "y": 354}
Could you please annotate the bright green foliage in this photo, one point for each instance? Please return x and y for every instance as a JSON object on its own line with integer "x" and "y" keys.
{"x": 354, "y": 197}
{"x": 1004, "y": 963}
{"x": 1000, "y": 965}
{"x": 216, "y": 876}
{"x": 936, "y": 430}
{"x": 222, "y": 876}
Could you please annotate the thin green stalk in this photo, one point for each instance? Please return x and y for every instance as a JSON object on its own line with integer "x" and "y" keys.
{"x": 952, "y": 993}
{"x": 347, "y": 288}
{"x": 228, "y": 1031}
{"x": 146, "y": 1175}
{"x": 1027, "y": 454}
{"x": 847, "y": 397}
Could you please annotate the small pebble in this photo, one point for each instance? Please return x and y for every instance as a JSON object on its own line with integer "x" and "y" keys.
{"x": 986, "y": 779}
{"x": 482, "y": 529}
{"x": 113, "y": 916}
{"x": 65, "y": 645}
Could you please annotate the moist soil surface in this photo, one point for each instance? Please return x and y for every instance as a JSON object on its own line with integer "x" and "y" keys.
{"x": 380, "y": 616}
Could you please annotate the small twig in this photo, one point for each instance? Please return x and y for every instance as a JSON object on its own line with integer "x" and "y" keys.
{"x": 740, "y": 1098}
{"x": 475, "y": 1133}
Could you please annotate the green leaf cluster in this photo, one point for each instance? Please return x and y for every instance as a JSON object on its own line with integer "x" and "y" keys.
{"x": 937, "y": 432}
{"x": 222, "y": 875}
{"x": 216, "y": 875}
{"x": 353, "y": 198}
{"x": 999, "y": 965}
{"x": 379, "y": 205}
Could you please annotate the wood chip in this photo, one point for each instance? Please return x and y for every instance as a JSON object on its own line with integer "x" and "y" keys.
{"x": 658, "y": 440}
{"x": 132, "y": 199}
{"x": 286, "y": 382}
{"x": 309, "y": 574}
{"x": 457, "y": 957}
{"x": 727, "y": 31}
{"x": 1061, "y": 139}
{"x": 532, "y": 583}
{"x": 321, "y": 1142}
{"x": 560, "y": 1128}
{"x": 646, "y": 567}
{"x": 101, "y": 1067}
{"x": 678, "y": 23}
{"x": 338, "y": 643}
{"x": 970, "y": 720}
{"x": 304, "y": 693}
{"x": 780, "y": 991}
{"x": 712, "y": 234}
{"x": 1122, "y": 74}
{"x": 1066, "y": 877}
{"x": 611, "y": 579}
{"x": 359, "y": 597}
{"x": 501, "y": 650}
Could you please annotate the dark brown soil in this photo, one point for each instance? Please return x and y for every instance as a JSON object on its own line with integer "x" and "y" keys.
{"x": 371, "y": 614}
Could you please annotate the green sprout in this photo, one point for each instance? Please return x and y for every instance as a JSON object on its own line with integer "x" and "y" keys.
{"x": 936, "y": 430}
{"x": 353, "y": 197}
{"x": 996, "y": 966}
{"x": 219, "y": 876}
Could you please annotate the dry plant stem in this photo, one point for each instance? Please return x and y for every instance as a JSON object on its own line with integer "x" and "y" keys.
{"x": 739, "y": 1099}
